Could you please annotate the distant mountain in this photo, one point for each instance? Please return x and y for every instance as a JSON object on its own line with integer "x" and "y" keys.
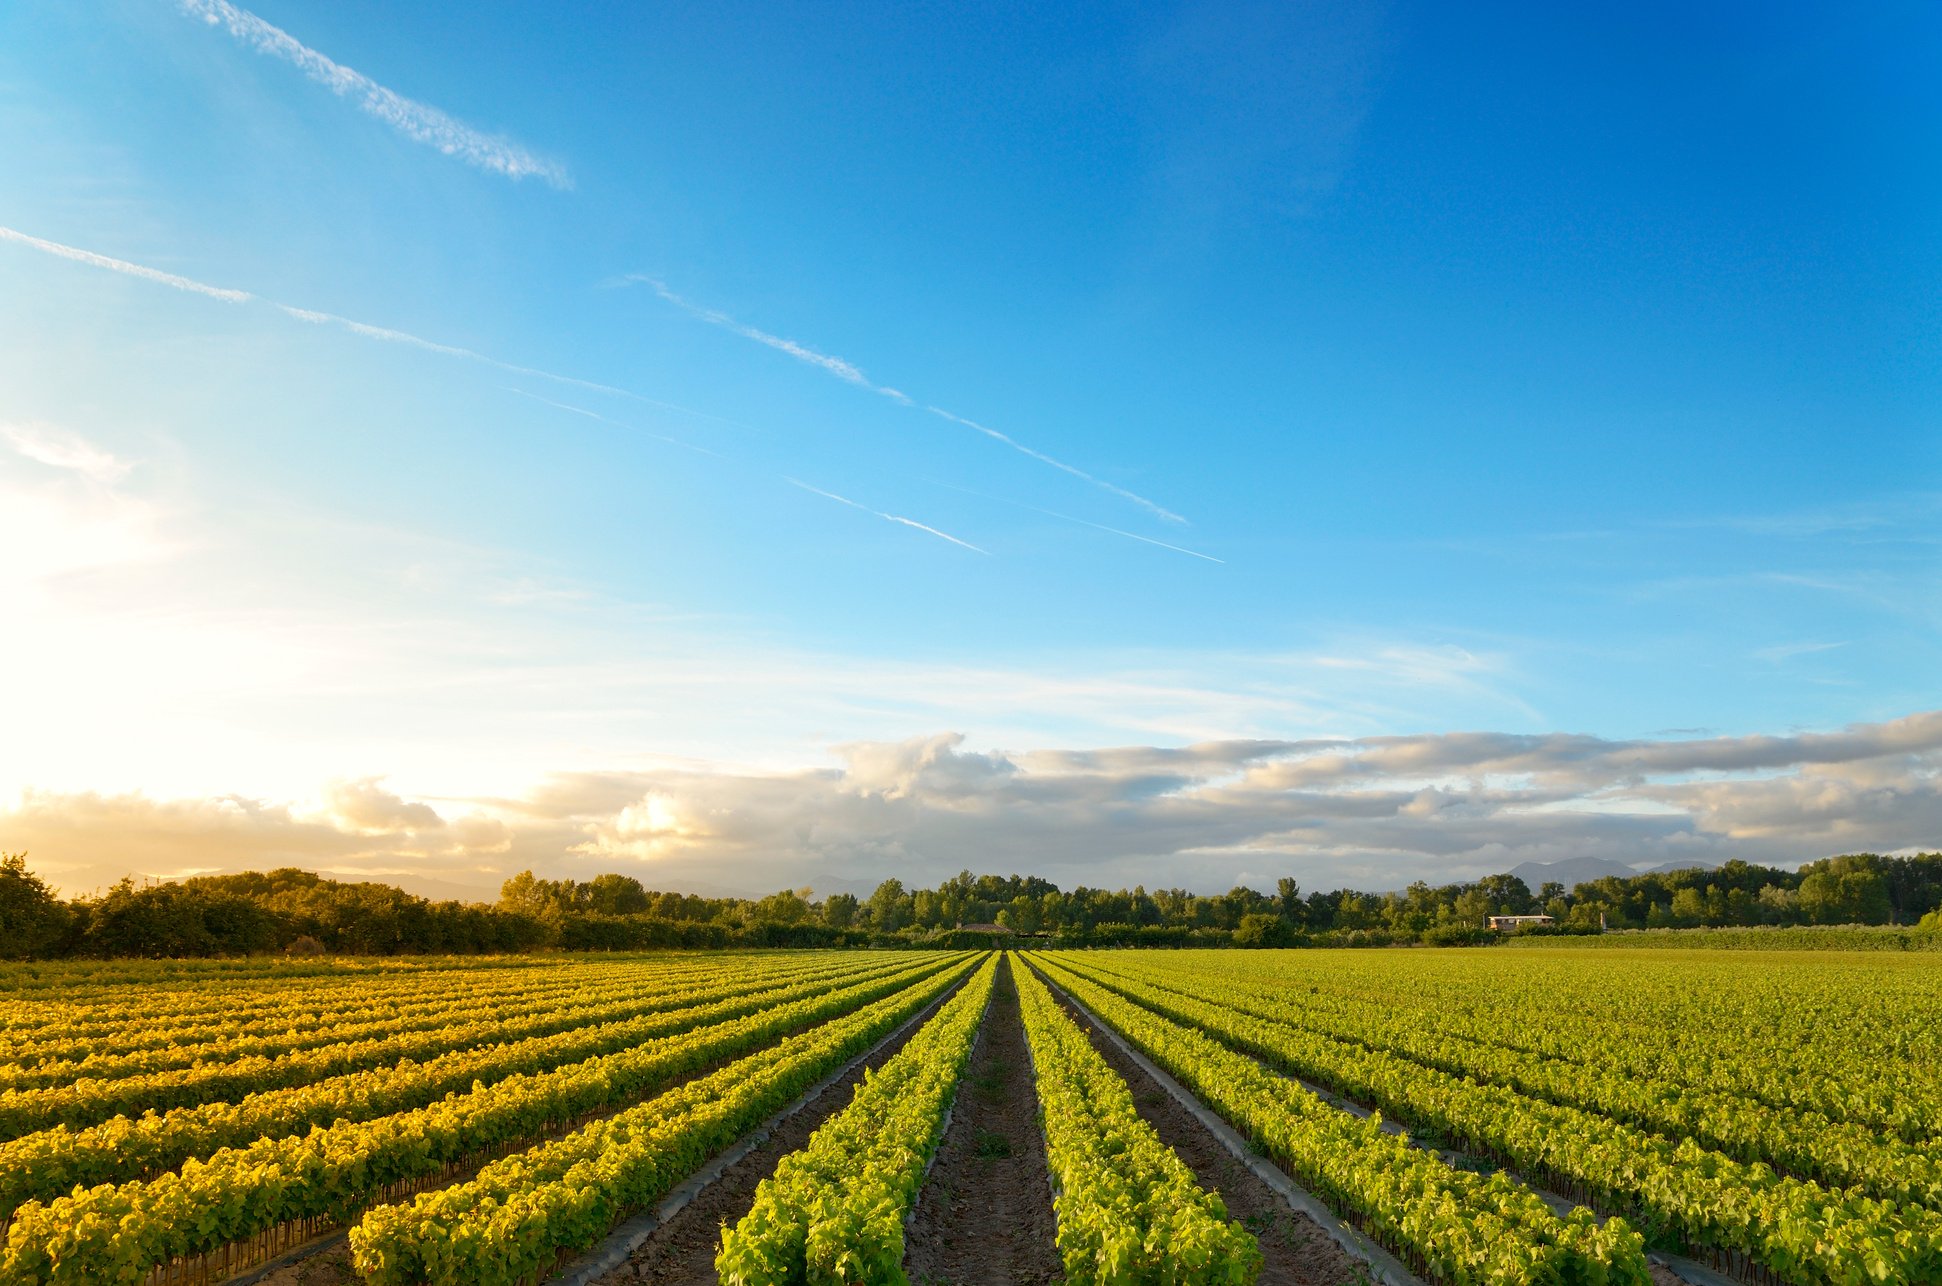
{"x": 1663, "y": 867}
{"x": 424, "y": 886}
{"x": 828, "y": 882}
{"x": 1573, "y": 871}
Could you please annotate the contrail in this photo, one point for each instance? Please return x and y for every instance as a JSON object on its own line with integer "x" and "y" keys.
{"x": 1098, "y": 526}
{"x": 309, "y": 315}
{"x": 630, "y": 428}
{"x": 1132, "y": 535}
{"x": 389, "y": 336}
{"x": 842, "y": 370}
{"x": 850, "y": 373}
{"x": 1076, "y": 472}
{"x": 94, "y": 260}
{"x": 417, "y": 121}
{"x": 897, "y": 518}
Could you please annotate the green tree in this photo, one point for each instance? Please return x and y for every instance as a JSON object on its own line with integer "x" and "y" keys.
{"x": 889, "y": 907}
{"x": 1777, "y": 904}
{"x": 1473, "y": 907}
{"x": 790, "y": 906}
{"x": 614, "y": 895}
{"x": 32, "y": 920}
{"x": 1852, "y": 889}
{"x": 159, "y": 920}
{"x": 1509, "y": 894}
{"x": 839, "y": 910}
{"x": 1287, "y": 897}
{"x": 524, "y": 892}
{"x": 1584, "y": 915}
{"x": 1023, "y": 915}
{"x": 1258, "y": 930}
{"x": 1688, "y": 908}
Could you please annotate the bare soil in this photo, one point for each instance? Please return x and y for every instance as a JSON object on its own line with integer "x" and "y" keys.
{"x": 984, "y": 1217}
{"x": 330, "y": 1267}
{"x": 1298, "y": 1252}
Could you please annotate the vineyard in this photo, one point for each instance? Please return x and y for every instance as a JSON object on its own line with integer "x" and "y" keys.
{"x": 1111, "y": 1117}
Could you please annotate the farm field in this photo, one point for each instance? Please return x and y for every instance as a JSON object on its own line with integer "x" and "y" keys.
{"x": 935, "y": 1117}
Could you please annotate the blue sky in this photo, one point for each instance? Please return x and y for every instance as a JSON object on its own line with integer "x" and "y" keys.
{"x": 1476, "y": 369}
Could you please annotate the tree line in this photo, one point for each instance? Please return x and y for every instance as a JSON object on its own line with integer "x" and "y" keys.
{"x": 294, "y": 910}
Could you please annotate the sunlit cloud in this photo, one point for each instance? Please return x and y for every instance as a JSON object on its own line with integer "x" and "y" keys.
{"x": 365, "y": 806}
{"x": 1200, "y": 815}
{"x": 417, "y": 121}
{"x": 238, "y": 650}
{"x": 194, "y": 690}
{"x": 66, "y": 516}
{"x": 58, "y": 449}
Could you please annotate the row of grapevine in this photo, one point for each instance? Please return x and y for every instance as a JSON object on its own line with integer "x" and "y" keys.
{"x": 1857, "y": 1040}
{"x": 99, "y": 1010}
{"x": 23, "y": 985}
{"x": 1458, "y": 1226}
{"x": 519, "y": 1214}
{"x": 1798, "y": 1230}
{"x": 48, "y": 1163}
{"x": 217, "y": 1018}
{"x": 114, "y": 1234}
{"x": 834, "y": 1210}
{"x": 149, "y": 1049}
{"x": 1129, "y": 1210}
{"x": 87, "y": 1102}
{"x": 1799, "y": 1141}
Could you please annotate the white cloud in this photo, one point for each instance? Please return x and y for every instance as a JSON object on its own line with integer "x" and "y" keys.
{"x": 417, "y": 121}
{"x": 59, "y": 449}
{"x": 1193, "y": 815}
{"x": 366, "y": 807}
{"x": 67, "y": 518}
{"x": 82, "y": 841}
{"x": 194, "y": 690}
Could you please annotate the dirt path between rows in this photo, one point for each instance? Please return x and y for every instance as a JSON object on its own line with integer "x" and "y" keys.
{"x": 985, "y": 1215}
{"x": 681, "y": 1252}
{"x": 1297, "y": 1250}
{"x": 326, "y": 1268}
